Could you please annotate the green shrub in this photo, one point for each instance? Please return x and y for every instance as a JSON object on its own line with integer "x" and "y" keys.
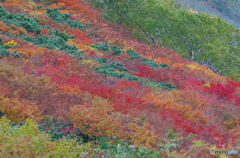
{"x": 4, "y": 52}
{"x": 64, "y": 18}
{"x": 132, "y": 54}
{"x": 53, "y": 42}
{"x": 102, "y": 46}
{"x": 153, "y": 64}
{"x": 106, "y": 47}
{"x": 20, "y": 20}
{"x": 122, "y": 149}
{"x": 116, "y": 50}
{"x": 101, "y": 60}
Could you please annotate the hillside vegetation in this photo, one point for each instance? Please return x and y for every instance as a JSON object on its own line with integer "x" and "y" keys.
{"x": 73, "y": 84}
{"x": 197, "y": 36}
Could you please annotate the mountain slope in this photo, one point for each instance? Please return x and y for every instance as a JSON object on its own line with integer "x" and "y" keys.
{"x": 214, "y": 9}
{"x": 68, "y": 77}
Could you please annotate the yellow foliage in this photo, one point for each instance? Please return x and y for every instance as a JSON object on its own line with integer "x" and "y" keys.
{"x": 126, "y": 47}
{"x": 207, "y": 85}
{"x": 91, "y": 48}
{"x": 203, "y": 67}
{"x": 92, "y": 62}
{"x": 193, "y": 66}
{"x": 10, "y": 43}
{"x": 28, "y": 141}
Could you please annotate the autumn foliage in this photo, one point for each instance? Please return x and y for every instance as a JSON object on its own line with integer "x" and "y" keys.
{"x": 106, "y": 84}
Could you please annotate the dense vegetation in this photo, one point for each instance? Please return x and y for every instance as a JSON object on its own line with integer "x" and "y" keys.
{"x": 75, "y": 85}
{"x": 198, "y": 37}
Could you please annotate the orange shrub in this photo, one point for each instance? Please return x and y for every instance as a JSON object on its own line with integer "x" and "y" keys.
{"x": 96, "y": 118}
{"x": 13, "y": 29}
{"x": 142, "y": 135}
{"x": 18, "y": 110}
